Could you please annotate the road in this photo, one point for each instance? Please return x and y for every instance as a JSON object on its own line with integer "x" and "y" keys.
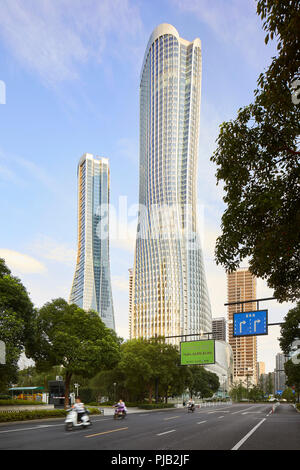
{"x": 228, "y": 427}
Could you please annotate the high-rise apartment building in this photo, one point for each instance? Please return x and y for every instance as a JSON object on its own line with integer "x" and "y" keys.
{"x": 279, "y": 372}
{"x": 91, "y": 288}
{"x": 170, "y": 295}
{"x": 241, "y": 286}
{"x": 219, "y": 329}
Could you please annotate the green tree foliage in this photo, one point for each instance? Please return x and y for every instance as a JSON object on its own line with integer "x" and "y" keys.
{"x": 290, "y": 330}
{"x": 77, "y": 340}
{"x": 258, "y": 159}
{"x": 255, "y": 393}
{"x": 287, "y": 394}
{"x": 293, "y": 376}
{"x": 201, "y": 382}
{"x": 150, "y": 366}
{"x": 238, "y": 391}
{"x": 16, "y": 322}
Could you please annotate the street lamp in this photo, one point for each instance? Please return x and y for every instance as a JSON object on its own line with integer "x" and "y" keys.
{"x": 76, "y": 386}
{"x": 115, "y": 391}
{"x": 224, "y": 381}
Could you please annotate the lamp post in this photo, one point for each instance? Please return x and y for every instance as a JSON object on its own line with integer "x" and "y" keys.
{"x": 115, "y": 391}
{"x": 76, "y": 386}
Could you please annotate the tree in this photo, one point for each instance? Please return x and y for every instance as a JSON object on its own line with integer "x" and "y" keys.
{"x": 290, "y": 330}
{"x": 16, "y": 322}
{"x": 202, "y": 382}
{"x": 255, "y": 393}
{"x": 258, "y": 159}
{"x": 238, "y": 391}
{"x": 293, "y": 376}
{"x": 288, "y": 395}
{"x": 68, "y": 336}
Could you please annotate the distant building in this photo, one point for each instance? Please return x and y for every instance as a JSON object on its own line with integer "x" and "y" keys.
{"x": 91, "y": 289}
{"x": 241, "y": 286}
{"x": 260, "y": 369}
{"x": 219, "y": 328}
{"x": 279, "y": 373}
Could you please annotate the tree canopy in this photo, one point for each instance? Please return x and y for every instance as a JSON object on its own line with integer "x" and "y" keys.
{"x": 258, "y": 160}
{"x": 68, "y": 336}
{"x": 16, "y": 322}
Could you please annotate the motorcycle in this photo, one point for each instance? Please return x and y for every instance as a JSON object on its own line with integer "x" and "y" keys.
{"x": 191, "y": 408}
{"x": 71, "y": 420}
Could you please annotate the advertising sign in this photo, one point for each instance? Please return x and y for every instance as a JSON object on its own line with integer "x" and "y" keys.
{"x": 197, "y": 352}
{"x": 250, "y": 323}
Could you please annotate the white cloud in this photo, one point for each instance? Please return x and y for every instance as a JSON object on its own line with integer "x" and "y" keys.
{"x": 54, "y": 37}
{"x": 48, "y": 248}
{"x": 20, "y": 263}
{"x": 120, "y": 283}
{"x": 233, "y": 22}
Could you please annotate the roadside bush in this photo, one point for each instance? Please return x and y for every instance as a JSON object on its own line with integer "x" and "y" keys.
{"x": 12, "y": 402}
{"x": 27, "y": 415}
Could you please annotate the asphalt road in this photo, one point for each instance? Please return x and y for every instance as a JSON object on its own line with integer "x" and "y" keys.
{"x": 228, "y": 427}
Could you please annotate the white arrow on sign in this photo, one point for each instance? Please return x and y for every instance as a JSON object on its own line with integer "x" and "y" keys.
{"x": 256, "y": 321}
{"x": 242, "y": 323}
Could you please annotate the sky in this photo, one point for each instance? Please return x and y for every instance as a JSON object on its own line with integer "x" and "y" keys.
{"x": 69, "y": 84}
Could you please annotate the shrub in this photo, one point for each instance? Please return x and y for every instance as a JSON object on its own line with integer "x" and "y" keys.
{"x": 13, "y": 402}
{"x": 27, "y": 415}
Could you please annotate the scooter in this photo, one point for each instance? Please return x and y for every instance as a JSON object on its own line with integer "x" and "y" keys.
{"x": 119, "y": 414}
{"x": 71, "y": 420}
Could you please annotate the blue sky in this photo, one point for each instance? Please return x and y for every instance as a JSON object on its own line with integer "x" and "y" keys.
{"x": 71, "y": 70}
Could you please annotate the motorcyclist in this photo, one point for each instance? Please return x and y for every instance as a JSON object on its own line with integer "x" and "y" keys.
{"x": 120, "y": 407}
{"x": 79, "y": 408}
{"x": 191, "y": 404}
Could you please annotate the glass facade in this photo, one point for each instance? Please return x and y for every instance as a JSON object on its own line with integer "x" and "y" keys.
{"x": 170, "y": 294}
{"x": 91, "y": 288}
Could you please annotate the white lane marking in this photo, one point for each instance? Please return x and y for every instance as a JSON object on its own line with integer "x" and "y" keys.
{"x": 201, "y": 422}
{"x": 47, "y": 426}
{"x": 242, "y": 441}
{"x": 240, "y": 411}
{"x": 25, "y": 429}
{"x": 167, "y": 432}
{"x": 221, "y": 417}
{"x": 173, "y": 417}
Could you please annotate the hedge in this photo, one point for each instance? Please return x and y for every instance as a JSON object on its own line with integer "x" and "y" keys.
{"x": 26, "y": 415}
{"x": 13, "y": 402}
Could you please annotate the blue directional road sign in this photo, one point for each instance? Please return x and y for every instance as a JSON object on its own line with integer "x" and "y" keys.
{"x": 250, "y": 323}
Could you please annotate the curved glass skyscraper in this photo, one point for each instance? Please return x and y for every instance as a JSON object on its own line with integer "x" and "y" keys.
{"x": 91, "y": 288}
{"x": 169, "y": 295}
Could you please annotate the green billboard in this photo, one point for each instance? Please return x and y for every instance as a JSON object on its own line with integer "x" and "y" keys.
{"x": 197, "y": 352}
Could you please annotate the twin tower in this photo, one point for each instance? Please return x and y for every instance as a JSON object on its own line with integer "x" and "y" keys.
{"x": 169, "y": 291}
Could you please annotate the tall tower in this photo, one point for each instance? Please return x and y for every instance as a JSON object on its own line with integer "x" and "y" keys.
{"x": 91, "y": 288}
{"x": 170, "y": 295}
{"x": 241, "y": 286}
